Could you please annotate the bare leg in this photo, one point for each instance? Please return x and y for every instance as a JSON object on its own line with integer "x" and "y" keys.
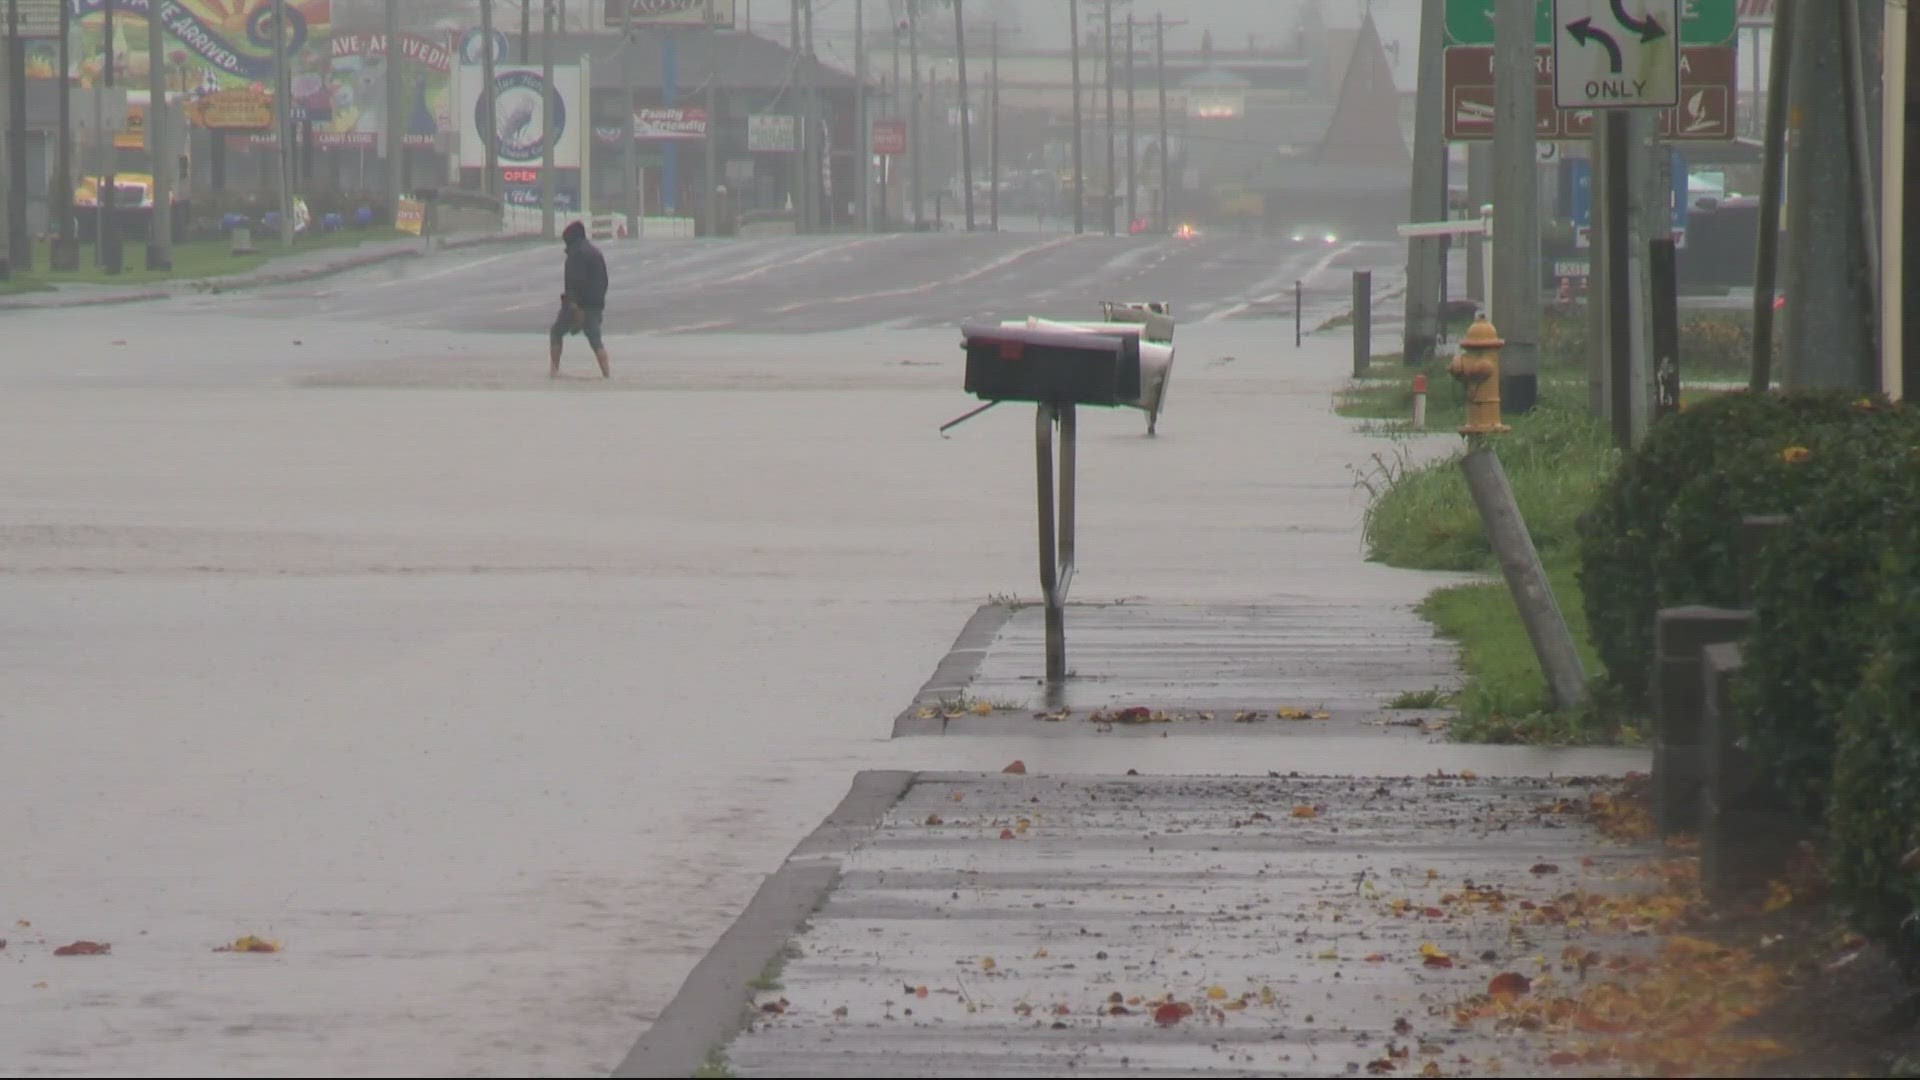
{"x": 606, "y": 368}
{"x": 553, "y": 350}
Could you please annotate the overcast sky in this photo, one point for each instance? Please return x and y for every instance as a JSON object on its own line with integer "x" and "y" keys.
{"x": 1045, "y": 21}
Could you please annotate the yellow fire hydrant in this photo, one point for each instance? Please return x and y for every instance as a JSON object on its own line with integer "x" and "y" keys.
{"x": 1478, "y": 365}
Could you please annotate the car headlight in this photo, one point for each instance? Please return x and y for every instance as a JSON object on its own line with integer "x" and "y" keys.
{"x": 1297, "y": 238}
{"x": 1332, "y": 239}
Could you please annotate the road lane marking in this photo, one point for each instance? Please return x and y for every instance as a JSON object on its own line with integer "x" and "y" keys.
{"x": 1273, "y": 298}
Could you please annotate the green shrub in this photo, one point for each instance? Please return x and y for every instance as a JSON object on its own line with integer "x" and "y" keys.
{"x": 1814, "y": 600}
{"x": 1424, "y": 518}
{"x": 1876, "y": 783}
{"x": 1721, "y": 455}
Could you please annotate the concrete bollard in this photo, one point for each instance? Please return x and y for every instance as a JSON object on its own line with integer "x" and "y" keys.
{"x": 1362, "y": 321}
{"x": 1681, "y": 751}
{"x": 1419, "y": 403}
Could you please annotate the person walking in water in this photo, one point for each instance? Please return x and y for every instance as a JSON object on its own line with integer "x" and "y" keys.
{"x": 584, "y": 301}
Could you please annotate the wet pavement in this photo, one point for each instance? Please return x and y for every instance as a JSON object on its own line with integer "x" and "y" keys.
{"x": 1282, "y": 925}
{"x": 327, "y": 617}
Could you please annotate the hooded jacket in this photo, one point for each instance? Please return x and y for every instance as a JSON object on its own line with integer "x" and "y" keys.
{"x": 586, "y": 282}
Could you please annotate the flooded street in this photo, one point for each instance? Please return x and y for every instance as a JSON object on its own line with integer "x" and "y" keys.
{"x": 494, "y": 699}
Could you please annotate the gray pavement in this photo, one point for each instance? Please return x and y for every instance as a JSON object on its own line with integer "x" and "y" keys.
{"x": 988, "y": 924}
{"x": 327, "y": 617}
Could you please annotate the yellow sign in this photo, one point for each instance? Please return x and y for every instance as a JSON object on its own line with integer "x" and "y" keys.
{"x": 412, "y": 217}
{"x": 234, "y": 110}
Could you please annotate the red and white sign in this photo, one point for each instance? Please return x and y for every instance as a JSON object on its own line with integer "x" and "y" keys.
{"x": 1755, "y": 12}
{"x": 669, "y": 125}
{"x": 890, "y": 138}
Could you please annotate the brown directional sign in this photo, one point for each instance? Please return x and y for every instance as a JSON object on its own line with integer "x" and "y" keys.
{"x": 1705, "y": 112}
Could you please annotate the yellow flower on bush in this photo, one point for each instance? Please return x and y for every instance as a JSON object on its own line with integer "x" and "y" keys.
{"x": 1794, "y": 455}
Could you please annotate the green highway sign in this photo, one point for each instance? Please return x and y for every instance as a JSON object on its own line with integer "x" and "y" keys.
{"x": 1702, "y": 22}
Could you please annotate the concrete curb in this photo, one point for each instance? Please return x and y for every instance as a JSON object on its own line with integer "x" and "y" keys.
{"x": 956, "y": 670}
{"x": 711, "y": 1007}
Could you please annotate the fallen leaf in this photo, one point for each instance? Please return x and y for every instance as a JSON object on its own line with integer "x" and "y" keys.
{"x": 958, "y": 796}
{"x": 1216, "y": 993}
{"x": 1115, "y": 998}
{"x": 1438, "y": 961}
{"x": 935, "y": 819}
{"x": 1119, "y": 1010}
{"x": 250, "y": 944}
{"x": 1544, "y": 868}
{"x": 84, "y": 948}
{"x": 22, "y": 923}
{"x": 1376, "y": 958}
{"x": 1305, "y": 812}
{"x": 1469, "y": 774}
{"x": 1403, "y": 1026}
{"x": 982, "y": 709}
{"x": 1041, "y": 954}
{"x": 1172, "y": 1012}
{"x": 1509, "y": 984}
{"x": 1022, "y": 826}
{"x": 1018, "y": 768}
{"x": 920, "y": 992}
{"x": 840, "y": 1013}
{"x": 987, "y": 963}
{"x": 1006, "y": 834}
{"x": 1234, "y": 1006}
{"x": 1267, "y": 996}
{"x": 1062, "y": 1010}
{"x": 40, "y": 986}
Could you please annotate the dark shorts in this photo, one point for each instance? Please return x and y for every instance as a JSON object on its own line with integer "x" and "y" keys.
{"x": 572, "y": 320}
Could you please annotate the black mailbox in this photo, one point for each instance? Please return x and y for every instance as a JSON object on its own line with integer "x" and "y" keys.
{"x": 1052, "y": 367}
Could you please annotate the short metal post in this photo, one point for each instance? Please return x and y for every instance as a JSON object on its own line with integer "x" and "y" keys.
{"x": 1362, "y": 321}
{"x": 1297, "y": 290}
{"x": 1056, "y": 529}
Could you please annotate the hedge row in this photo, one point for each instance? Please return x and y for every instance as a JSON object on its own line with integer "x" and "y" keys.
{"x": 1830, "y": 693}
{"x": 1664, "y": 530}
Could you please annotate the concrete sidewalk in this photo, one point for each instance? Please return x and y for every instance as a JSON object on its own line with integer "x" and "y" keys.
{"x": 968, "y": 924}
{"x": 304, "y": 266}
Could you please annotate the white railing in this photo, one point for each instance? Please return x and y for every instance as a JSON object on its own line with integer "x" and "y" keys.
{"x": 525, "y": 221}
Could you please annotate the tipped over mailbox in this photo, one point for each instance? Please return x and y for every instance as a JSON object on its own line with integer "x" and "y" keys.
{"x": 1051, "y": 366}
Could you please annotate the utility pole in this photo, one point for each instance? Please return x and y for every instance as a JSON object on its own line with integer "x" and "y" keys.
{"x": 106, "y": 233}
{"x": 913, "y": 122}
{"x": 1133, "y": 208}
{"x": 20, "y": 237}
{"x": 66, "y": 248}
{"x": 1827, "y": 341}
{"x": 396, "y": 115}
{"x": 160, "y": 148}
{"x": 1079, "y": 164}
{"x": 549, "y": 175}
{"x": 526, "y": 31}
{"x": 630, "y": 153}
{"x": 993, "y": 139}
{"x": 966, "y": 110}
{"x": 1166, "y": 147}
{"x": 283, "y": 96}
{"x": 862, "y": 120}
{"x": 810, "y": 148}
{"x": 1516, "y": 227}
{"x": 713, "y": 128}
{"x": 1106, "y": 210}
{"x": 1479, "y": 193}
{"x": 490, "y": 184}
{"x": 1429, "y": 196}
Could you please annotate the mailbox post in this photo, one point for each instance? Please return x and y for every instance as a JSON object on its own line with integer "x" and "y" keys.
{"x": 1057, "y": 370}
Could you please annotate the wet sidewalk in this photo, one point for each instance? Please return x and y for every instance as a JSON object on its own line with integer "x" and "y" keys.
{"x": 968, "y": 924}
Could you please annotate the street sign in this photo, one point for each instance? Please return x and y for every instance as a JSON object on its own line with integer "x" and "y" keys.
{"x": 38, "y": 18}
{"x": 1702, "y": 22}
{"x": 1616, "y": 54}
{"x": 1705, "y": 112}
{"x": 772, "y": 133}
{"x": 1756, "y": 12}
{"x": 890, "y": 137}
